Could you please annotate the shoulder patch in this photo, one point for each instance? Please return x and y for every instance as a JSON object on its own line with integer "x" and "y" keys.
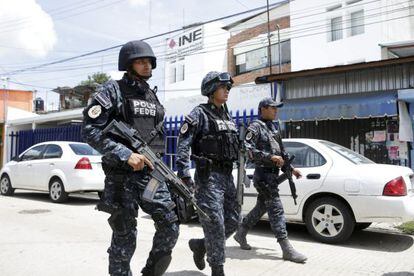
{"x": 249, "y": 136}
{"x": 184, "y": 128}
{"x": 102, "y": 98}
{"x": 95, "y": 111}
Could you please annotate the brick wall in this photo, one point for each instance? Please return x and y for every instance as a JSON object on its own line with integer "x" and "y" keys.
{"x": 284, "y": 22}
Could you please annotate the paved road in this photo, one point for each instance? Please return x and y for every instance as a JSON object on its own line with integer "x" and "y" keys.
{"x": 41, "y": 238}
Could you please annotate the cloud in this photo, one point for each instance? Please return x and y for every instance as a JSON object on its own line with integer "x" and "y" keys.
{"x": 25, "y": 28}
{"x": 138, "y": 2}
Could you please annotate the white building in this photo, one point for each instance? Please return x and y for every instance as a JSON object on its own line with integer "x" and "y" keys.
{"x": 190, "y": 55}
{"x": 327, "y": 33}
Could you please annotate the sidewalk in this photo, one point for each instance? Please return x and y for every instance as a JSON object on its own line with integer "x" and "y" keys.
{"x": 45, "y": 239}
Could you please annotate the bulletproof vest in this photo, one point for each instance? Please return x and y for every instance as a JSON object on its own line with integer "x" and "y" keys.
{"x": 269, "y": 140}
{"x": 143, "y": 111}
{"x": 220, "y": 143}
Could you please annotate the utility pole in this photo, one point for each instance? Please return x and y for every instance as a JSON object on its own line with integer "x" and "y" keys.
{"x": 279, "y": 49}
{"x": 5, "y": 97}
{"x": 269, "y": 50}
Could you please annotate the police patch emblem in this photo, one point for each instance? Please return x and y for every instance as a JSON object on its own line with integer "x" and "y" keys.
{"x": 184, "y": 128}
{"x": 95, "y": 111}
{"x": 249, "y": 135}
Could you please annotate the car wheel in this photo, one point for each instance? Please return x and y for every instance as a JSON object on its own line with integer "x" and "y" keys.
{"x": 362, "y": 225}
{"x": 56, "y": 191}
{"x": 5, "y": 186}
{"x": 329, "y": 220}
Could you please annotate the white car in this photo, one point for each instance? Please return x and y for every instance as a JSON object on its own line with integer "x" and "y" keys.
{"x": 340, "y": 191}
{"x": 57, "y": 167}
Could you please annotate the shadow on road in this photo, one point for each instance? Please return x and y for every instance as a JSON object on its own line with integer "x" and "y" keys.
{"x": 185, "y": 273}
{"x": 74, "y": 199}
{"x": 369, "y": 239}
{"x": 234, "y": 252}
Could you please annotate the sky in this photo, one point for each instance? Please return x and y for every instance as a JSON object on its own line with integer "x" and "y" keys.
{"x": 34, "y": 32}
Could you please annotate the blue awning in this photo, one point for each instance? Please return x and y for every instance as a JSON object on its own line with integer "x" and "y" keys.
{"x": 340, "y": 107}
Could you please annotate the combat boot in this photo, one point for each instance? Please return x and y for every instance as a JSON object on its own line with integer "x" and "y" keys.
{"x": 240, "y": 237}
{"x": 289, "y": 253}
{"x": 156, "y": 265}
{"x": 217, "y": 270}
{"x": 199, "y": 251}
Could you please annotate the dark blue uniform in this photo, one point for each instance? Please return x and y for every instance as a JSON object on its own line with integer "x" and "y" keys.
{"x": 210, "y": 133}
{"x": 263, "y": 141}
{"x": 133, "y": 102}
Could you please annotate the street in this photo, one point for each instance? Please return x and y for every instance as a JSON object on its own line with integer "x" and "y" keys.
{"x": 41, "y": 238}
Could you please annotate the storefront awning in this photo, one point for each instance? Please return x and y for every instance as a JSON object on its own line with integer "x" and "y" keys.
{"x": 340, "y": 107}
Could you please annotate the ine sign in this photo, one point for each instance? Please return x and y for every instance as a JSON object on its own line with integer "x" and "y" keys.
{"x": 185, "y": 43}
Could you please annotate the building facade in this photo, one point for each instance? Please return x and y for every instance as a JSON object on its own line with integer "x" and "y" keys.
{"x": 330, "y": 33}
{"x": 367, "y": 107}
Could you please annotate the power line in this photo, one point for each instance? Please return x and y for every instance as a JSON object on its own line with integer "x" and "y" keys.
{"x": 343, "y": 28}
{"x": 206, "y": 49}
{"x": 147, "y": 38}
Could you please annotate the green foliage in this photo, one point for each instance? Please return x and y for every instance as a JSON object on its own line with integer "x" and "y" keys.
{"x": 96, "y": 78}
{"x": 407, "y": 227}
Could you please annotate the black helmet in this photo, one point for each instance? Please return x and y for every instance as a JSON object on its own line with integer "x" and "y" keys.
{"x": 213, "y": 79}
{"x": 133, "y": 50}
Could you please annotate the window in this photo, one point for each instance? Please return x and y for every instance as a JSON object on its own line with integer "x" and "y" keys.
{"x": 257, "y": 59}
{"x": 173, "y": 75}
{"x": 285, "y": 50}
{"x": 180, "y": 72}
{"x": 347, "y": 153}
{"x": 33, "y": 153}
{"x": 52, "y": 151}
{"x": 305, "y": 156}
{"x": 357, "y": 23}
{"x": 83, "y": 149}
{"x": 336, "y": 28}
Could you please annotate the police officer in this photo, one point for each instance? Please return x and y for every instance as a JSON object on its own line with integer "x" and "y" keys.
{"x": 132, "y": 101}
{"x": 264, "y": 145}
{"x": 212, "y": 136}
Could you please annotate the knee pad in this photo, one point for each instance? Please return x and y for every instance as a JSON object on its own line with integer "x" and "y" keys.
{"x": 122, "y": 222}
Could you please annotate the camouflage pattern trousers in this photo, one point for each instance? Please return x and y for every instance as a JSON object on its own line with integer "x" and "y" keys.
{"x": 268, "y": 200}
{"x": 126, "y": 191}
{"x": 216, "y": 195}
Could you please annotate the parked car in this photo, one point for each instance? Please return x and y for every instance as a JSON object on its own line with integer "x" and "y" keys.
{"x": 57, "y": 167}
{"x": 340, "y": 191}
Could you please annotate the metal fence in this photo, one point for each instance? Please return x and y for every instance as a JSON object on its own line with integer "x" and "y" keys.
{"x": 22, "y": 140}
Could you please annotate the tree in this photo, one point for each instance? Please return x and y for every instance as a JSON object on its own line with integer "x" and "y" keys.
{"x": 96, "y": 78}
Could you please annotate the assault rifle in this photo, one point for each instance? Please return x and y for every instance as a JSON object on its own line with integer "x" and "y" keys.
{"x": 161, "y": 172}
{"x": 287, "y": 174}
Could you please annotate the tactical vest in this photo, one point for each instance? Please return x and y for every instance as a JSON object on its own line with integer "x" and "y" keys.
{"x": 220, "y": 143}
{"x": 270, "y": 141}
{"x": 143, "y": 111}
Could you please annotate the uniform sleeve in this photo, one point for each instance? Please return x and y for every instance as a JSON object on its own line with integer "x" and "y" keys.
{"x": 250, "y": 142}
{"x": 188, "y": 131}
{"x": 96, "y": 116}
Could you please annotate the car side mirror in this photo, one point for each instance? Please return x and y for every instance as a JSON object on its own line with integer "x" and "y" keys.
{"x": 16, "y": 158}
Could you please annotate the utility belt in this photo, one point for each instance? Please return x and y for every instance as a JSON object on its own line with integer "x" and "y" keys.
{"x": 225, "y": 167}
{"x": 206, "y": 165}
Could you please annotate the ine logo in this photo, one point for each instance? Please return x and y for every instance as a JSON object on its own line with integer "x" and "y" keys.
{"x": 186, "y": 39}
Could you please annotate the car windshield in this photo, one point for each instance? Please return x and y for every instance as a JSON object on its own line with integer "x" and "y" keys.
{"x": 352, "y": 156}
{"x": 83, "y": 149}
